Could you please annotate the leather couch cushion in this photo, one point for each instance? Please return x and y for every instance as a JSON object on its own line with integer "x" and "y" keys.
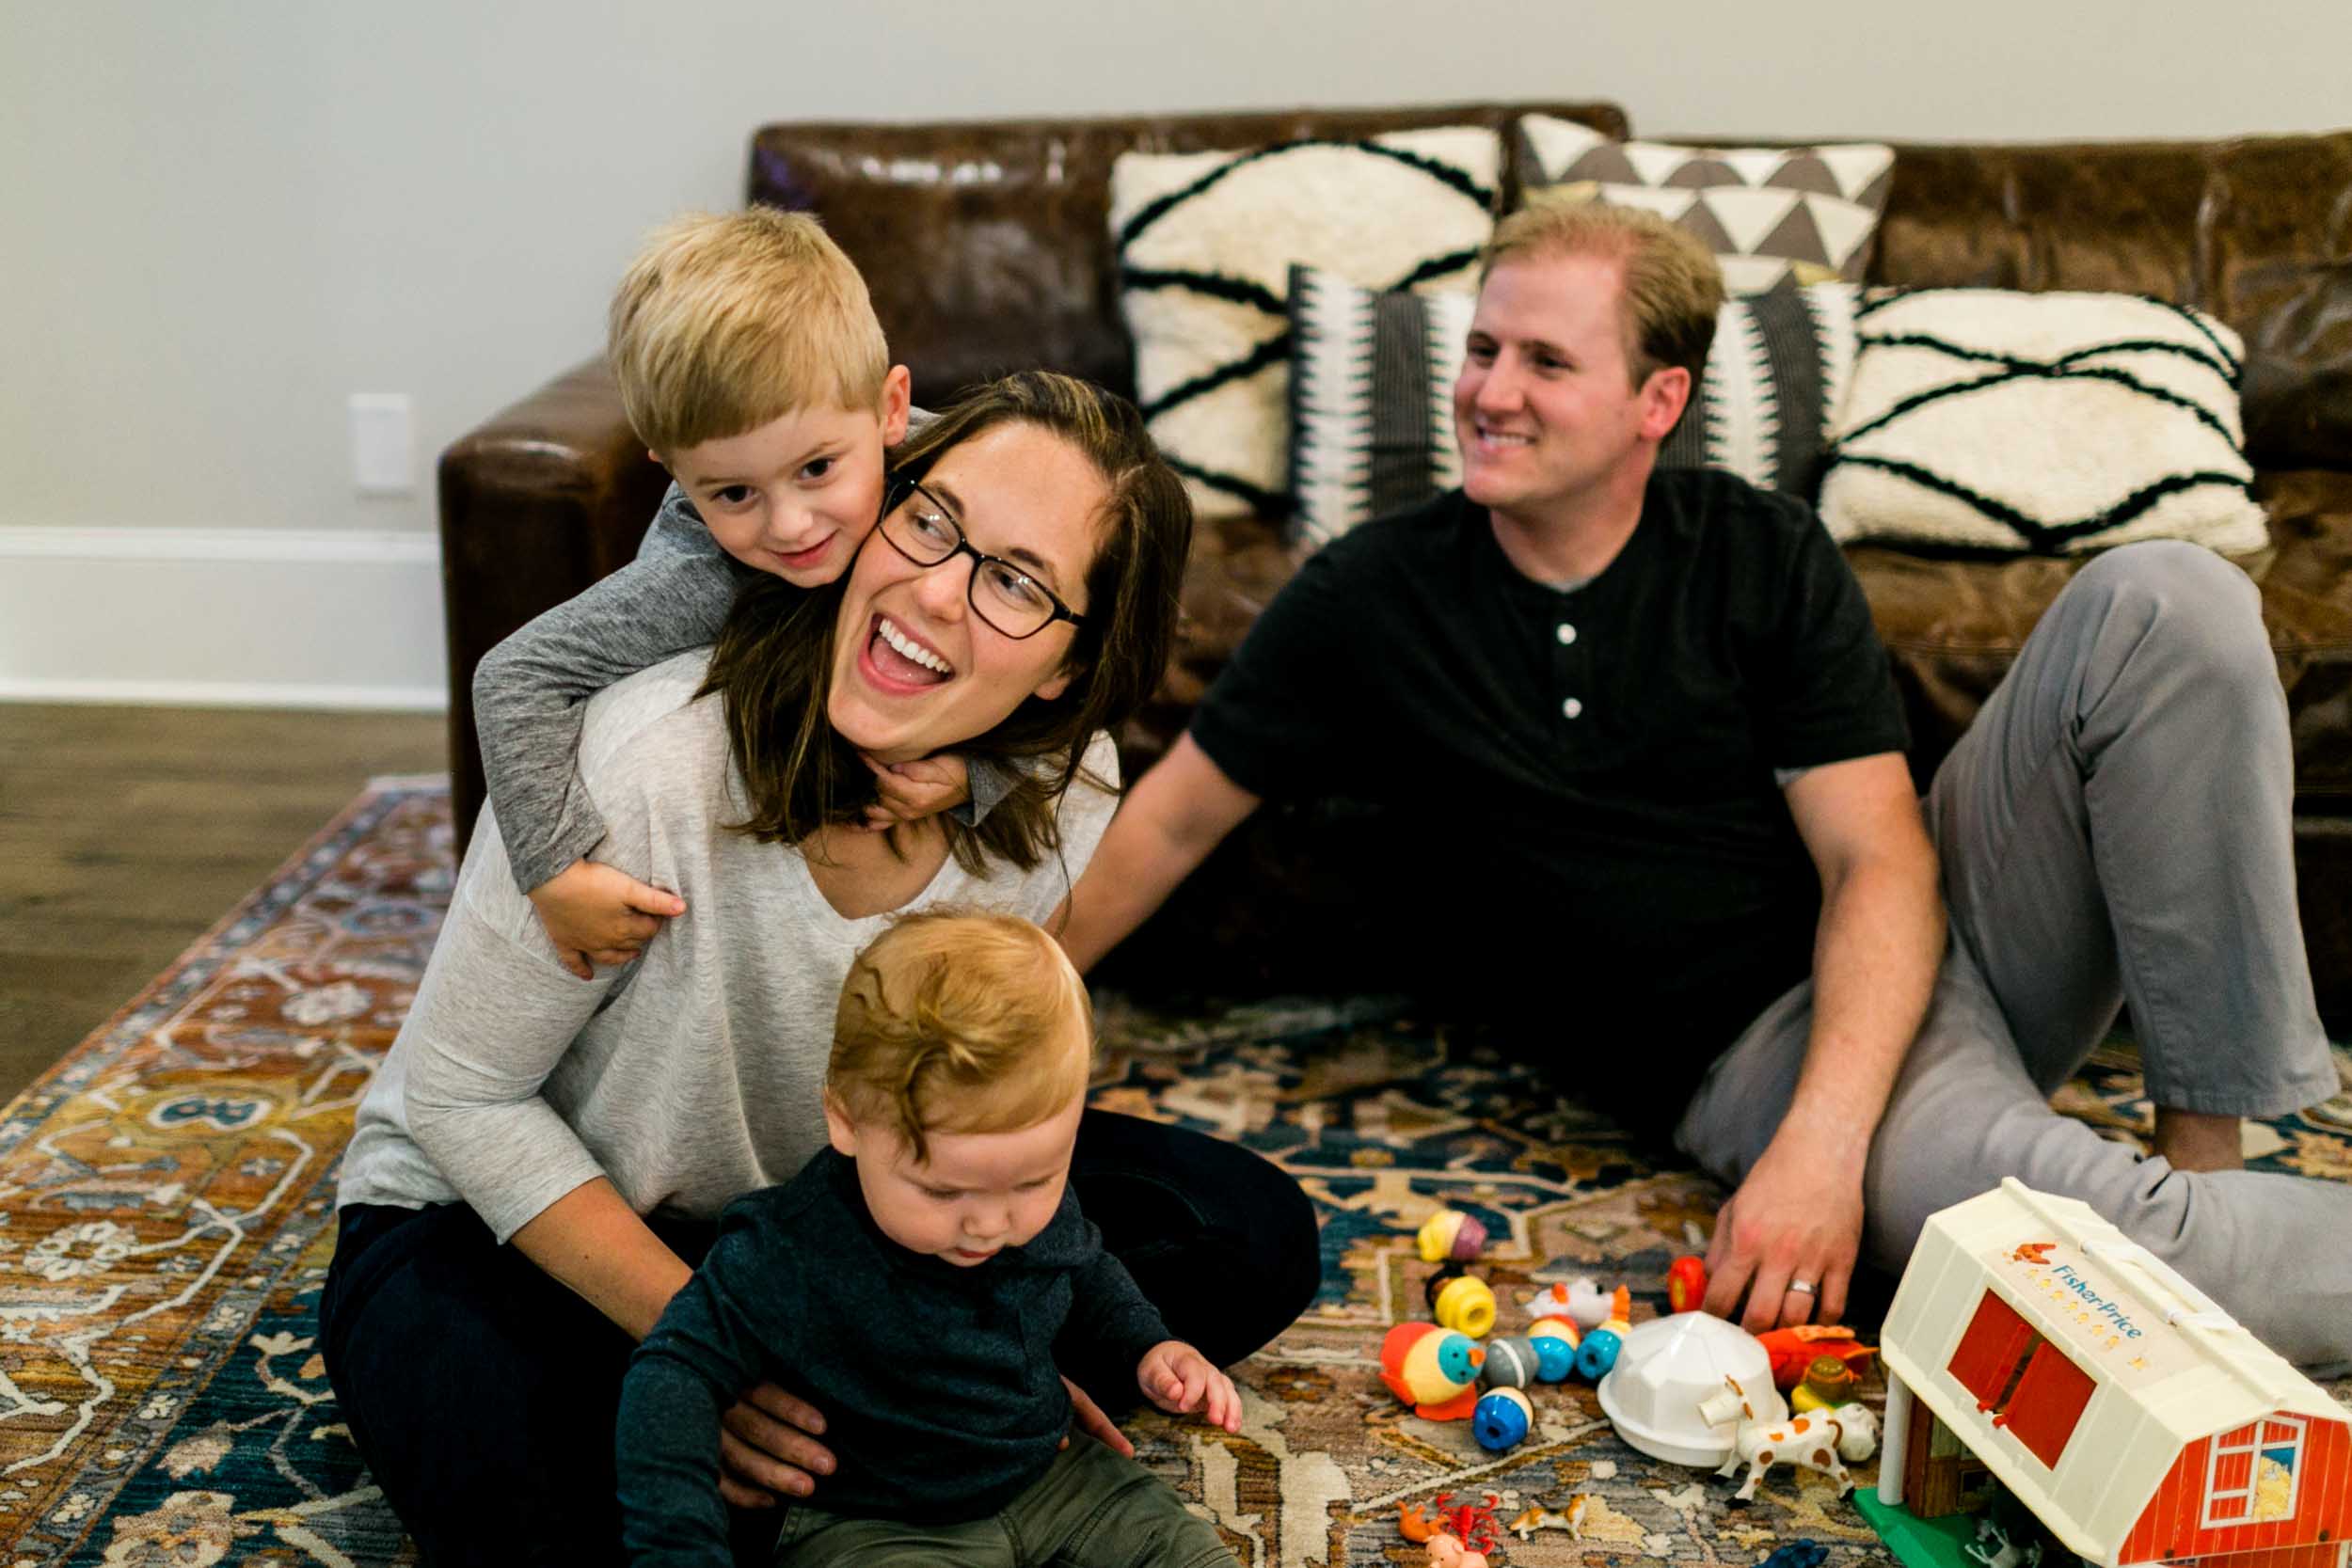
{"x": 987, "y": 246}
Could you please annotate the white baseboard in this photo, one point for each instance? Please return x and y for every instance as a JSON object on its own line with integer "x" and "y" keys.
{"x": 221, "y": 618}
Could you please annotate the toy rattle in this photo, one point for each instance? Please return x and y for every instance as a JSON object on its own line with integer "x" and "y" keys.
{"x": 1451, "y": 1235}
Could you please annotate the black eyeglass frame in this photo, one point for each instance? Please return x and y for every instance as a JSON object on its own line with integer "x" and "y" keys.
{"x": 900, "y": 491}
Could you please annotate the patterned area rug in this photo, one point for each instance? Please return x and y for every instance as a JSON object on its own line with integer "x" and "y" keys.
{"x": 165, "y": 1215}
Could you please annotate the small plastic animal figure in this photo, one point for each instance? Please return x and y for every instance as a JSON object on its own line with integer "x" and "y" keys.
{"x": 1414, "y": 1522}
{"x": 1451, "y": 1235}
{"x": 1794, "y": 1349}
{"x": 2005, "y": 1553}
{"x": 1501, "y": 1420}
{"x": 1432, "y": 1370}
{"x": 1581, "y": 1302}
{"x": 1686, "y": 1283}
{"x": 1828, "y": 1382}
{"x": 1447, "y": 1551}
{"x": 1814, "y": 1442}
{"x": 1570, "y": 1518}
{"x": 1461, "y": 1301}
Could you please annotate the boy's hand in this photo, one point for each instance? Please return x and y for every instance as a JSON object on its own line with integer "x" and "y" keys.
{"x": 597, "y": 914}
{"x": 912, "y": 790}
{"x": 1177, "y": 1377}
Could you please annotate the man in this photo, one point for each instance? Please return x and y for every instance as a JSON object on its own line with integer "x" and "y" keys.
{"x": 1643, "y": 732}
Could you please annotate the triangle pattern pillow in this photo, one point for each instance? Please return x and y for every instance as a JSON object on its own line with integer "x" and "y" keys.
{"x": 1771, "y": 215}
{"x": 2053, "y": 423}
{"x": 1205, "y": 244}
{"x": 1372, "y": 395}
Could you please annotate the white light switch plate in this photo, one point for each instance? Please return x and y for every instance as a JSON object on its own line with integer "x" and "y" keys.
{"x": 383, "y": 444}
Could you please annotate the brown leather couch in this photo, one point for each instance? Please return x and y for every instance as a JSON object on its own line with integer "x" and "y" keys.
{"x": 986, "y": 248}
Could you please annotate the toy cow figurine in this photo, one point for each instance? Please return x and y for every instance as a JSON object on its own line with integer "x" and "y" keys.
{"x": 1816, "y": 1442}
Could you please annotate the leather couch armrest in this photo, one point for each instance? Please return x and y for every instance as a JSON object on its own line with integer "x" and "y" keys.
{"x": 537, "y": 504}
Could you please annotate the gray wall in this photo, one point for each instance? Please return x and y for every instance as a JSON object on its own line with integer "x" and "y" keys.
{"x": 226, "y": 215}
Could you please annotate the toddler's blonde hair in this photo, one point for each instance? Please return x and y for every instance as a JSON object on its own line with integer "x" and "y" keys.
{"x": 955, "y": 1021}
{"x": 727, "y": 320}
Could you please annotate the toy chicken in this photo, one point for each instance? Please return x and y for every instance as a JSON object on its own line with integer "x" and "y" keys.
{"x": 1433, "y": 1369}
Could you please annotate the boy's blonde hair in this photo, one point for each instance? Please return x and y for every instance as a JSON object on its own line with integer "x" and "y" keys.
{"x": 726, "y": 320}
{"x": 1672, "y": 284}
{"x": 953, "y": 1021}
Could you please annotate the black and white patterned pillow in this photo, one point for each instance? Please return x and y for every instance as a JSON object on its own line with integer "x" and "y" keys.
{"x": 2055, "y": 423}
{"x": 1372, "y": 395}
{"x": 1205, "y": 244}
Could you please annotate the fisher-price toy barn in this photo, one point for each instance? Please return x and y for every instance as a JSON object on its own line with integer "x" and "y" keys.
{"x": 2136, "y": 1420}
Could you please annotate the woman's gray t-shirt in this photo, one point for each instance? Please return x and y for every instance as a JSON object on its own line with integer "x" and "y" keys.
{"x": 693, "y": 1075}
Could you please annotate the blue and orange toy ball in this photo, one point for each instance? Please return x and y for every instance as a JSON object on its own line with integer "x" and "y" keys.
{"x": 1596, "y": 1354}
{"x": 1515, "y": 1363}
{"x": 1461, "y": 1302}
{"x": 1555, "y": 1358}
{"x": 1556, "y": 1339}
{"x": 1450, "y": 1235}
{"x": 1502, "y": 1419}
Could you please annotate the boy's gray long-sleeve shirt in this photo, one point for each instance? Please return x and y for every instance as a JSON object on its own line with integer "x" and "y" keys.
{"x": 694, "y": 1074}
{"x": 938, "y": 1384}
{"x": 529, "y": 690}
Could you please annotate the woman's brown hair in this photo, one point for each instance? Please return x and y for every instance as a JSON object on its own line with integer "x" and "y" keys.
{"x": 774, "y": 658}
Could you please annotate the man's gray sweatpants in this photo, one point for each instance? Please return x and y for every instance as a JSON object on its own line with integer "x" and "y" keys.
{"x": 2115, "y": 827}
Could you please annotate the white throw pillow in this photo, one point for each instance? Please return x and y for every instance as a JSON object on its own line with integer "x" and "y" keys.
{"x": 2053, "y": 423}
{"x": 1205, "y": 244}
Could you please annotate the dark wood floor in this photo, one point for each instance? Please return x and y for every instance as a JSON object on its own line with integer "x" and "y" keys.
{"x": 126, "y": 831}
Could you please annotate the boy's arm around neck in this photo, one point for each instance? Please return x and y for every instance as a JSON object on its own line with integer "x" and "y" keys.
{"x": 529, "y": 690}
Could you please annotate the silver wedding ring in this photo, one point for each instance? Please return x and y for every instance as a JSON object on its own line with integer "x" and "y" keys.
{"x": 1801, "y": 1286}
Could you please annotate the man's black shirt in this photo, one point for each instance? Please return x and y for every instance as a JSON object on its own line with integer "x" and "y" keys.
{"x": 1577, "y": 787}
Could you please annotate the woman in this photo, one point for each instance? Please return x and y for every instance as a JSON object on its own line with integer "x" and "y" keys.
{"x": 537, "y": 1165}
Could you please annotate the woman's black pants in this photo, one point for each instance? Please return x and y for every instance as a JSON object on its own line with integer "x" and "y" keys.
{"x": 481, "y": 1393}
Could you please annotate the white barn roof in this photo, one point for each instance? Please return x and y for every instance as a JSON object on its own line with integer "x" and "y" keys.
{"x": 2167, "y": 1366}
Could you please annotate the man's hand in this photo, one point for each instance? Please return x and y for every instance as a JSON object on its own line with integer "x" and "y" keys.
{"x": 768, "y": 1445}
{"x": 595, "y": 913}
{"x": 912, "y": 790}
{"x": 1177, "y": 1377}
{"x": 1796, "y": 1218}
{"x": 1089, "y": 1417}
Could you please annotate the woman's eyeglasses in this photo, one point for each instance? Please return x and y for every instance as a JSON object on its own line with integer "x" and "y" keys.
{"x": 922, "y": 528}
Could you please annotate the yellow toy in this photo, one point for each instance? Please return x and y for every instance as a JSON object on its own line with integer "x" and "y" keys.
{"x": 1450, "y": 1235}
{"x": 1431, "y": 1369}
{"x": 1462, "y": 1301}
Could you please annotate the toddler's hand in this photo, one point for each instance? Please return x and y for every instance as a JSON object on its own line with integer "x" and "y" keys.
{"x": 1177, "y": 1377}
{"x": 912, "y": 790}
{"x": 596, "y": 913}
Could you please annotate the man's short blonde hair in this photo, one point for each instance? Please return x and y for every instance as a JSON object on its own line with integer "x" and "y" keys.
{"x": 959, "y": 1022}
{"x": 1673, "y": 286}
{"x": 727, "y": 320}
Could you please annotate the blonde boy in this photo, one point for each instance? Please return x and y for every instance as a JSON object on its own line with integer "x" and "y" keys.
{"x": 752, "y": 366}
{"x": 918, "y": 1283}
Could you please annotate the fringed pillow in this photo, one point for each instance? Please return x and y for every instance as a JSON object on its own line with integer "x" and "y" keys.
{"x": 2053, "y": 423}
{"x": 1205, "y": 244}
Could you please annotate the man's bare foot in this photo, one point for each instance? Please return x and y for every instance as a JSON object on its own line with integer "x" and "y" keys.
{"x": 2193, "y": 1140}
